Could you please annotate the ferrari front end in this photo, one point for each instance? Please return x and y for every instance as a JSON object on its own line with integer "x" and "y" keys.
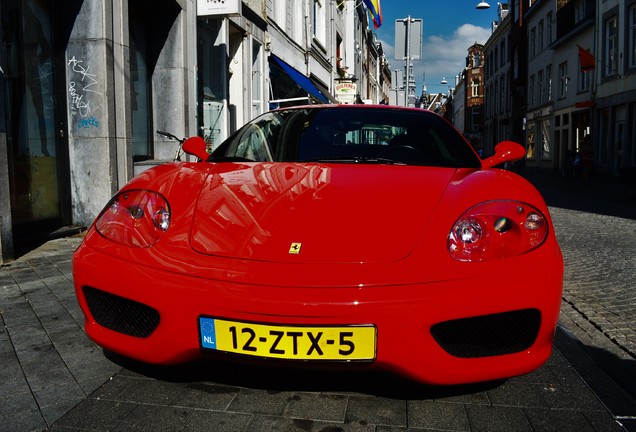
{"x": 354, "y": 266}
{"x": 464, "y": 329}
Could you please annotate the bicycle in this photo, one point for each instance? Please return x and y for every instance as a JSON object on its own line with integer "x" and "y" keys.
{"x": 194, "y": 145}
{"x": 179, "y": 151}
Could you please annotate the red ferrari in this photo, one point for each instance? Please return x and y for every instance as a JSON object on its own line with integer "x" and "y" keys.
{"x": 350, "y": 235}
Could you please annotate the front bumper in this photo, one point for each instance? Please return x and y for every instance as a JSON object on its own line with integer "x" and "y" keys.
{"x": 447, "y": 332}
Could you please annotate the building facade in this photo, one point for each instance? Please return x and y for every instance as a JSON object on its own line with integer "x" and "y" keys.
{"x": 475, "y": 95}
{"x": 468, "y": 97}
{"x": 572, "y": 83}
{"x": 614, "y": 122}
{"x": 541, "y": 23}
{"x": 85, "y": 86}
{"x": 568, "y": 93}
{"x": 518, "y": 57}
{"x": 497, "y": 104}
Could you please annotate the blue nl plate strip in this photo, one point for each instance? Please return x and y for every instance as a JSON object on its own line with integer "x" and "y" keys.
{"x": 208, "y": 334}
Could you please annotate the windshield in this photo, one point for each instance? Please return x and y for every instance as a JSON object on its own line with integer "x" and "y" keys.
{"x": 349, "y": 135}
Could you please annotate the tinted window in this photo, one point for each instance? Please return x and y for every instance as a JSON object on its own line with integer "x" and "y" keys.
{"x": 350, "y": 135}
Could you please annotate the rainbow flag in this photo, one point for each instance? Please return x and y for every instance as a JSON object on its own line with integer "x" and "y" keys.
{"x": 375, "y": 10}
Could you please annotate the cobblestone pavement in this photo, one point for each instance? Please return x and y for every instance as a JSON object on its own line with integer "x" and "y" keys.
{"x": 595, "y": 224}
{"x": 600, "y": 268}
{"x": 53, "y": 378}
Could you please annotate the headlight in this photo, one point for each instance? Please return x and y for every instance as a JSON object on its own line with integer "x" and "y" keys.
{"x": 136, "y": 218}
{"x": 497, "y": 229}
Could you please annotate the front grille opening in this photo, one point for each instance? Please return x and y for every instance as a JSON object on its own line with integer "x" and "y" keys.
{"x": 121, "y": 314}
{"x": 488, "y": 335}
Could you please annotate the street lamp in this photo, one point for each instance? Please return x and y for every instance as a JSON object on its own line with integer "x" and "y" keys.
{"x": 482, "y": 5}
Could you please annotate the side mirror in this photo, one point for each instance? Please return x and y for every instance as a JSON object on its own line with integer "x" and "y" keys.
{"x": 196, "y": 146}
{"x": 505, "y": 151}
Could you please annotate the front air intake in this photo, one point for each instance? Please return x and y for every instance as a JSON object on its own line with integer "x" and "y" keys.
{"x": 488, "y": 335}
{"x": 121, "y": 314}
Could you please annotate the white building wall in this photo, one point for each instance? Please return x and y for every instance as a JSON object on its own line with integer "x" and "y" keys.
{"x": 540, "y": 150}
{"x": 497, "y": 99}
{"x": 459, "y": 105}
{"x": 615, "y": 101}
{"x": 624, "y": 79}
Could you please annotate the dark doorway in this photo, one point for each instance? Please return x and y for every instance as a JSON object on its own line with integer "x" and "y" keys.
{"x": 34, "y": 86}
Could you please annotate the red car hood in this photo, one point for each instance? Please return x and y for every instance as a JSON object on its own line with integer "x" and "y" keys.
{"x": 311, "y": 213}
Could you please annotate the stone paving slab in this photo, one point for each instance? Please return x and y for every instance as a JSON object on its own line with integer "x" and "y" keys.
{"x": 249, "y": 398}
{"x": 48, "y": 363}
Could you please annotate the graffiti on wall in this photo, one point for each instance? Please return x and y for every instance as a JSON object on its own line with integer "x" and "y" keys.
{"x": 82, "y": 89}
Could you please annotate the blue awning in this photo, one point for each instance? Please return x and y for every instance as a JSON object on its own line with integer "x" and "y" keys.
{"x": 300, "y": 79}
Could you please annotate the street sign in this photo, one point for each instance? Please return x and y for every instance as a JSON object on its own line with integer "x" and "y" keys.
{"x": 408, "y": 39}
{"x": 398, "y": 78}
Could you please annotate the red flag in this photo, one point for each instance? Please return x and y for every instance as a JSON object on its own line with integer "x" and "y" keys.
{"x": 587, "y": 60}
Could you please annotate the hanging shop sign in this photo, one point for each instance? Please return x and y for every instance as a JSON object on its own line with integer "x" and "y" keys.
{"x": 218, "y": 7}
{"x": 346, "y": 92}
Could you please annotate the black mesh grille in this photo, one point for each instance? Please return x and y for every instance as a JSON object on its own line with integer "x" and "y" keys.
{"x": 489, "y": 335}
{"x": 121, "y": 314}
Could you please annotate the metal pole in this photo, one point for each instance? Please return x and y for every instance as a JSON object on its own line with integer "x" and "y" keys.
{"x": 396, "y": 86}
{"x": 408, "y": 60}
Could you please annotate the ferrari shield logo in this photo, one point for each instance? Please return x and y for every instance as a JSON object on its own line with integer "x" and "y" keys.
{"x": 295, "y": 248}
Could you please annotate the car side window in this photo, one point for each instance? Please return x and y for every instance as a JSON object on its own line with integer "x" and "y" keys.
{"x": 253, "y": 145}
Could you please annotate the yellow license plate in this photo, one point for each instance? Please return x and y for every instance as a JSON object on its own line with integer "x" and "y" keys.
{"x": 289, "y": 342}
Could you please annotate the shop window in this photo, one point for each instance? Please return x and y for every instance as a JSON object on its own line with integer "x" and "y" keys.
{"x": 632, "y": 36}
{"x": 579, "y": 11}
{"x": 565, "y": 140}
{"x": 530, "y": 151}
{"x": 257, "y": 78}
{"x": 503, "y": 102}
{"x": 632, "y": 149}
{"x": 604, "y": 135}
{"x": 31, "y": 85}
{"x": 611, "y": 46}
{"x": 319, "y": 21}
{"x": 563, "y": 79}
{"x": 140, "y": 85}
{"x": 540, "y": 88}
{"x": 148, "y": 34}
{"x": 475, "y": 88}
{"x": 212, "y": 78}
{"x": 533, "y": 42}
{"x": 531, "y": 92}
{"x": 548, "y": 78}
{"x": 584, "y": 80}
{"x": 546, "y": 145}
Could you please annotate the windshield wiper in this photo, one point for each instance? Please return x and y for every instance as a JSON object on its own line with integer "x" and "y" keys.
{"x": 230, "y": 159}
{"x": 356, "y": 159}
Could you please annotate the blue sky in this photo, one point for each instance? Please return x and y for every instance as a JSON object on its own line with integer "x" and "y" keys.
{"x": 449, "y": 28}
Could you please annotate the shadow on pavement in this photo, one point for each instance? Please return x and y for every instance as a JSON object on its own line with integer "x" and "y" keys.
{"x": 614, "y": 383}
{"x": 622, "y": 371}
{"x": 601, "y": 194}
{"x": 279, "y": 378}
